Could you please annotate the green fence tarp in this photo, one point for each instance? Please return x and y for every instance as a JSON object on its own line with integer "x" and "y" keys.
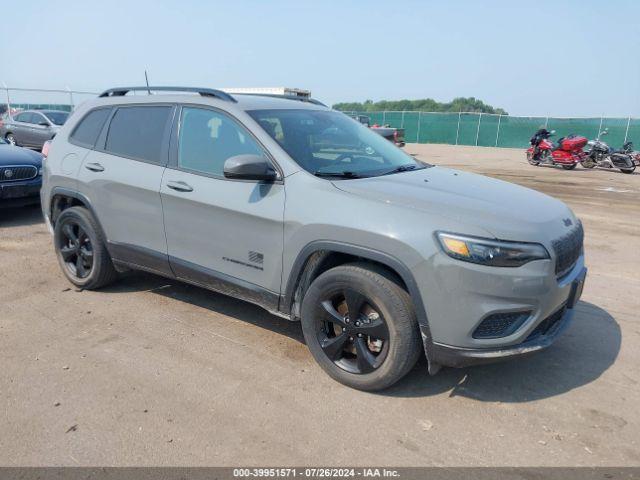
{"x": 487, "y": 130}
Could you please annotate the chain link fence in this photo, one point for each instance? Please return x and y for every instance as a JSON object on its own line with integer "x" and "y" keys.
{"x": 479, "y": 129}
{"x": 41, "y": 99}
{"x": 490, "y": 130}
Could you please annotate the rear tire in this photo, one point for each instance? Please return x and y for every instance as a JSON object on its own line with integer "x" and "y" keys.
{"x": 360, "y": 327}
{"x": 81, "y": 250}
{"x": 11, "y": 139}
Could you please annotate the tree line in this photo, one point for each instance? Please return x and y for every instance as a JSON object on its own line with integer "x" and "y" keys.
{"x": 459, "y": 104}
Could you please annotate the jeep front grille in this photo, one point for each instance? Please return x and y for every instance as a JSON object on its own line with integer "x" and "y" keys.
{"x": 18, "y": 172}
{"x": 568, "y": 249}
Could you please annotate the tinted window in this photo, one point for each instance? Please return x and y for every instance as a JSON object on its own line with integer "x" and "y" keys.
{"x": 37, "y": 119}
{"x": 23, "y": 117}
{"x": 57, "y": 118}
{"x": 208, "y": 139}
{"x": 138, "y": 132}
{"x": 89, "y": 128}
{"x": 330, "y": 143}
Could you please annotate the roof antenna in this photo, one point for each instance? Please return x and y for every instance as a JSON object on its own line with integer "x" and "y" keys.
{"x": 146, "y": 79}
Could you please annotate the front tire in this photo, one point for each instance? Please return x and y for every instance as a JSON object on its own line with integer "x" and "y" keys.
{"x": 628, "y": 170}
{"x": 532, "y": 160}
{"x": 588, "y": 163}
{"x": 569, "y": 167}
{"x": 81, "y": 250}
{"x": 360, "y": 326}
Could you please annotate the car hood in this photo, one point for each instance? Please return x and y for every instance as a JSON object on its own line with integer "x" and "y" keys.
{"x": 10, "y": 155}
{"x": 504, "y": 210}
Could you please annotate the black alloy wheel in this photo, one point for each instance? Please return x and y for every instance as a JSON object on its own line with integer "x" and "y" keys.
{"x": 76, "y": 250}
{"x": 360, "y": 325}
{"x": 352, "y": 332}
{"x": 81, "y": 251}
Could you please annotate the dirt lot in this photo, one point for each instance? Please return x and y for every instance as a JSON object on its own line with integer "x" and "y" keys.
{"x": 152, "y": 372}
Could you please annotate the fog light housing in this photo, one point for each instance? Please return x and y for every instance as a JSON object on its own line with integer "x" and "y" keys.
{"x": 502, "y": 324}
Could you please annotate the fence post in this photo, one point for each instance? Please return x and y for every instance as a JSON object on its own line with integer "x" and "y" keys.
{"x": 418, "y": 132}
{"x": 498, "y": 132}
{"x": 402, "y": 120}
{"x": 384, "y": 115}
{"x": 8, "y": 99}
{"x": 546, "y": 122}
{"x": 478, "y": 130}
{"x": 458, "y": 129}
{"x": 70, "y": 98}
{"x": 599, "y": 128}
{"x": 626, "y": 132}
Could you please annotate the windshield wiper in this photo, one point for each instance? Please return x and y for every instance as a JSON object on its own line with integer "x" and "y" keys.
{"x": 336, "y": 174}
{"x": 404, "y": 168}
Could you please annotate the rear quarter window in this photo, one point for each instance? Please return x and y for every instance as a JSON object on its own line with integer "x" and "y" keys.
{"x": 139, "y": 132}
{"x": 88, "y": 129}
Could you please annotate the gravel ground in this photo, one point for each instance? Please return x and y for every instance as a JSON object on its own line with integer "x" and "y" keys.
{"x": 153, "y": 372}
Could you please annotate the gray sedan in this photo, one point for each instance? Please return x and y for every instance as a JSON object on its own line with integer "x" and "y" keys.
{"x": 31, "y": 128}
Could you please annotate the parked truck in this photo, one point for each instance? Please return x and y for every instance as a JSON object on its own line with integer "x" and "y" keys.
{"x": 395, "y": 135}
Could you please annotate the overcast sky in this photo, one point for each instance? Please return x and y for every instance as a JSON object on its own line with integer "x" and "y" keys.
{"x": 529, "y": 57}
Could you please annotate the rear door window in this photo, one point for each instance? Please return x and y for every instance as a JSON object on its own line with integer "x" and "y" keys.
{"x": 139, "y": 132}
{"x": 87, "y": 131}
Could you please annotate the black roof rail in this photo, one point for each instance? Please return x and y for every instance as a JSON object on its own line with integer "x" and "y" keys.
{"x": 205, "y": 92}
{"x": 286, "y": 97}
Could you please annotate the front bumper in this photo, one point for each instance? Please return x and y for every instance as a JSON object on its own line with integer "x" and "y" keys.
{"x": 540, "y": 338}
{"x": 14, "y": 194}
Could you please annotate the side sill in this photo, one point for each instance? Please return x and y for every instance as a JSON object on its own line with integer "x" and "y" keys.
{"x": 225, "y": 284}
{"x": 130, "y": 257}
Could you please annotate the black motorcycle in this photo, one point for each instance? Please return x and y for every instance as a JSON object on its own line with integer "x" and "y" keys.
{"x": 601, "y": 155}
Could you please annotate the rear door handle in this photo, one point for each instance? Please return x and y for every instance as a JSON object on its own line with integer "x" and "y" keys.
{"x": 180, "y": 186}
{"x": 94, "y": 167}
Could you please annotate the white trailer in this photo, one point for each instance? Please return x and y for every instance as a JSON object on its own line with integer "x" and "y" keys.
{"x": 284, "y": 91}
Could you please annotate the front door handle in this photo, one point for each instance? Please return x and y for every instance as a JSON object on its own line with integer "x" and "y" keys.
{"x": 94, "y": 167}
{"x": 180, "y": 186}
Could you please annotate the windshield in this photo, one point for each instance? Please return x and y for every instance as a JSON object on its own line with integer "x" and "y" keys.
{"x": 329, "y": 143}
{"x": 57, "y": 118}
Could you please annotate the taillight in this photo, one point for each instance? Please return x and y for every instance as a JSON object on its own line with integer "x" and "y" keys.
{"x": 45, "y": 148}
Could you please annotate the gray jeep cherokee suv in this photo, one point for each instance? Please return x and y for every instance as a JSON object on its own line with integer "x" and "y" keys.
{"x": 302, "y": 210}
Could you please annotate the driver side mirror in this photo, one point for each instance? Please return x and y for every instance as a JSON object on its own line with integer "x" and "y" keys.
{"x": 604, "y": 132}
{"x": 552, "y": 131}
{"x": 43, "y": 123}
{"x": 249, "y": 167}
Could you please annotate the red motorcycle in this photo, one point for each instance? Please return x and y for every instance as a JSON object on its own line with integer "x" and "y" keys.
{"x": 567, "y": 152}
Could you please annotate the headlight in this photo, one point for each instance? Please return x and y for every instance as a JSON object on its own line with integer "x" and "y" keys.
{"x": 495, "y": 253}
